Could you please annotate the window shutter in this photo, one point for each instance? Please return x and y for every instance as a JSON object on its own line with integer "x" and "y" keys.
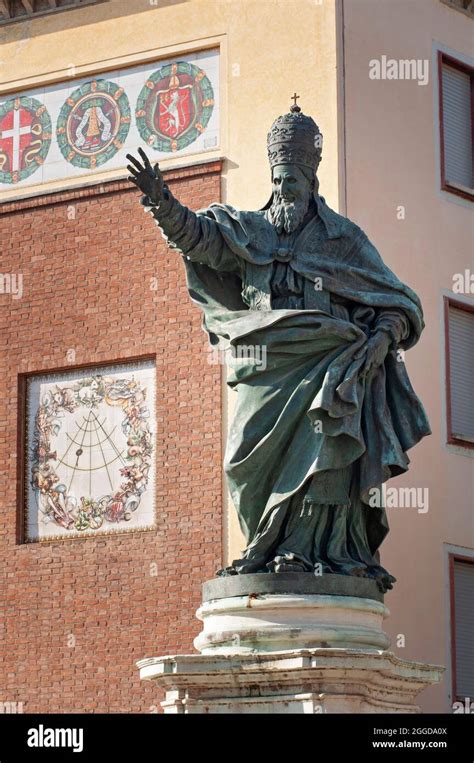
{"x": 464, "y": 627}
{"x": 457, "y": 126}
{"x": 461, "y": 373}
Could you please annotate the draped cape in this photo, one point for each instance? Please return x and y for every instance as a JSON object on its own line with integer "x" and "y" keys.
{"x": 302, "y": 405}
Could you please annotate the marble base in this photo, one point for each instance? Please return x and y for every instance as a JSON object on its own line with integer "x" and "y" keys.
{"x": 290, "y": 643}
{"x": 245, "y": 625}
{"x": 295, "y": 681}
{"x": 265, "y": 613}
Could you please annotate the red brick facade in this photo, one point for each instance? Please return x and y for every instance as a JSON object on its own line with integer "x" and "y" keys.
{"x": 75, "y": 615}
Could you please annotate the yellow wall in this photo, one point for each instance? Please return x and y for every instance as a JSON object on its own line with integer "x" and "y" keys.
{"x": 279, "y": 46}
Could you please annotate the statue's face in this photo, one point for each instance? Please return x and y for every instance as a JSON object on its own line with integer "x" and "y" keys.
{"x": 290, "y": 183}
{"x": 291, "y": 196}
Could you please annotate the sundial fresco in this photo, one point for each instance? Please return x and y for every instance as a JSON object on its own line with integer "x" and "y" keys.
{"x": 91, "y": 451}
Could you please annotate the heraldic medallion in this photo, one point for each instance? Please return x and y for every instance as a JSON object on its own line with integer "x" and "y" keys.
{"x": 25, "y": 138}
{"x": 174, "y": 107}
{"x": 93, "y": 123}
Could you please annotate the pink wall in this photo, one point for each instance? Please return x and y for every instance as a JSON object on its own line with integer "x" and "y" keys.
{"x": 391, "y": 160}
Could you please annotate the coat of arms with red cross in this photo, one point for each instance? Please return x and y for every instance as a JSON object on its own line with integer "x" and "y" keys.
{"x": 25, "y": 138}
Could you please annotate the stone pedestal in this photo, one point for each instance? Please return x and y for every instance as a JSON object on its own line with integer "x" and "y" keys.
{"x": 290, "y": 643}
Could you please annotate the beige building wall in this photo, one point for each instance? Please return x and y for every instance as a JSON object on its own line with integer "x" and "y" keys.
{"x": 392, "y": 160}
{"x": 269, "y": 50}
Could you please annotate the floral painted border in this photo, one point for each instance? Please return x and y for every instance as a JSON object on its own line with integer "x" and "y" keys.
{"x": 111, "y": 512}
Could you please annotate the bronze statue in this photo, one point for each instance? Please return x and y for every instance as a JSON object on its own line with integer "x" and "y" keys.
{"x": 331, "y": 414}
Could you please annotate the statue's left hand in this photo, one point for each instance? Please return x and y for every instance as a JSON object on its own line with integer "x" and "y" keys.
{"x": 376, "y": 350}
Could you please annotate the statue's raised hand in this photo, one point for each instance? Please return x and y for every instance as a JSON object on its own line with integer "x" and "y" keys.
{"x": 147, "y": 178}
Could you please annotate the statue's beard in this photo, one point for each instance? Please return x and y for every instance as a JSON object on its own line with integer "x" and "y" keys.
{"x": 288, "y": 216}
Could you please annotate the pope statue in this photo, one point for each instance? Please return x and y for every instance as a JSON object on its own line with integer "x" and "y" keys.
{"x": 331, "y": 413}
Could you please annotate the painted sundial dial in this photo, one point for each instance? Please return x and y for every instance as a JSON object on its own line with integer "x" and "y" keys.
{"x": 93, "y": 123}
{"x": 91, "y": 466}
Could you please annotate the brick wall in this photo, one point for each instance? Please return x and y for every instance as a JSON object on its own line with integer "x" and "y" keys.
{"x": 87, "y": 258}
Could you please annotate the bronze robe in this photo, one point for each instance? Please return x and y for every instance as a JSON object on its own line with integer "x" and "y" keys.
{"x": 311, "y": 436}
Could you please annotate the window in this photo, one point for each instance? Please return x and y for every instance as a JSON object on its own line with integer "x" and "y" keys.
{"x": 462, "y": 625}
{"x": 456, "y": 99}
{"x": 17, "y": 10}
{"x": 459, "y": 337}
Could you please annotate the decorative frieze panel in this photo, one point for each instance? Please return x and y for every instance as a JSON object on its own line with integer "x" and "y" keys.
{"x": 79, "y": 127}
